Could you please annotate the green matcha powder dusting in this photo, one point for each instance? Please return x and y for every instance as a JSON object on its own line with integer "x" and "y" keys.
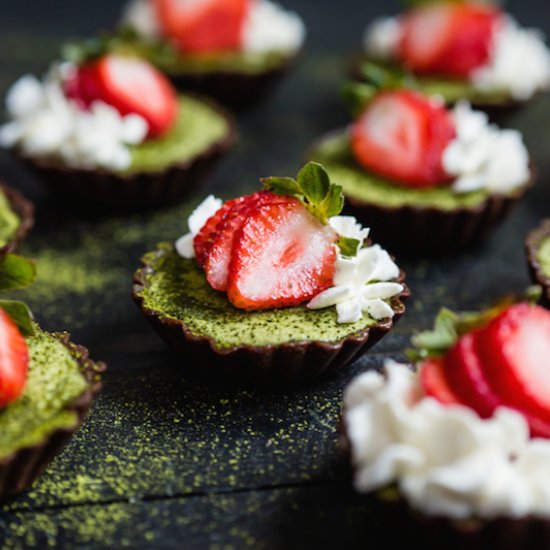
{"x": 178, "y": 290}
{"x": 54, "y": 381}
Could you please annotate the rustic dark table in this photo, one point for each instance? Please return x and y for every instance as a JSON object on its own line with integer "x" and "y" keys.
{"x": 163, "y": 462}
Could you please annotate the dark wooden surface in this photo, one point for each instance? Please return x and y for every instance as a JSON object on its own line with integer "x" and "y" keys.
{"x": 165, "y": 463}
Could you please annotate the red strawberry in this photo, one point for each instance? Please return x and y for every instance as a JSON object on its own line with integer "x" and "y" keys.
{"x": 434, "y": 382}
{"x": 402, "y": 136}
{"x": 282, "y": 256}
{"x": 205, "y": 237}
{"x": 204, "y": 25}
{"x": 130, "y": 85}
{"x": 515, "y": 355}
{"x": 449, "y": 38}
{"x": 220, "y": 252}
{"x": 14, "y": 360}
{"x": 464, "y": 372}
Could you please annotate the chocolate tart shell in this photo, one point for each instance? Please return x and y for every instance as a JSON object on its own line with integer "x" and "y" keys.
{"x": 83, "y": 187}
{"x": 20, "y": 469}
{"x": 286, "y": 364}
{"x": 532, "y": 245}
{"x": 234, "y": 89}
{"x": 428, "y": 231}
{"x": 24, "y": 210}
{"x": 436, "y": 532}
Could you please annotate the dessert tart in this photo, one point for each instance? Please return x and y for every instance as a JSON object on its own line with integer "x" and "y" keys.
{"x": 463, "y": 50}
{"x": 47, "y": 385}
{"x": 232, "y": 50}
{"x": 112, "y": 130}
{"x": 537, "y": 247}
{"x": 16, "y": 218}
{"x": 463, "y": 442}
{"x": 429, "y": 179}
{"x": 271, "y": 288}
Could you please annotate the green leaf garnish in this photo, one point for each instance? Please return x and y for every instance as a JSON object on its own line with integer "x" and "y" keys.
{"x": 348, "y": 247}
{"x": 374, "y": 79}
{"x": 314, "y": 188}
{"x": 16, "y": 272}
{"x": 20, "y": 314}
{"x": 450, "y": 326}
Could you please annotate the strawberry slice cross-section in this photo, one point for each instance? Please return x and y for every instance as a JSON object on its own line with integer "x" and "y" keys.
{"x": 402, "y": 136}
{"x": 130, "y": 85}
{"x": 200, "y": 26}
{"x": 282, "y": 256}
{"x": 14, "y": 360}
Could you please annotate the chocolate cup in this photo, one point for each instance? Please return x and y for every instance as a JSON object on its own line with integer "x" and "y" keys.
{"x": 21, "y": 468}
{"x": 236, "y": 90}
{"x": 532, "y": 245}
{"x": 443, "y": 532}
{"x": 292, "y": 363}
{"x": 25, "y": 211}
{"x": 82, "y": 187}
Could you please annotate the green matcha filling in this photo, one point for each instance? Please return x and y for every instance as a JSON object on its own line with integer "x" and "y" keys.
{"x": 336, "y": 156}
{"x": 177, "y": 289}
{"x": 197, "y": 128}
{"x": 543, "y": 256}
{"x": 54, "y": 381}
{"x": 9, "y": 221}
{"x": 453, "y": 90}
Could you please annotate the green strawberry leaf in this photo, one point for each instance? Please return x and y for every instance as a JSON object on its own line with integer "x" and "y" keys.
{"x": 21, "y": 316}
{"x": 375, "y": 78}
{"x": 348, "y": 247}
{"x": 450, "y": 326}
{"x": 16, "y": 272}
{"x": 313, "y": 187}
{"x": 282, "y": 186}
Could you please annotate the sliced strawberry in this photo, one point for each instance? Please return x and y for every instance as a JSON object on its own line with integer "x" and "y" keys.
{"x": 130, "y": 85}
{"x": 205, "y": 237}
{"x": 14, "y": 360}
{"x": 434, "y": 383}
{"x": 204, "y": 25}
{"x": 282, "y": 256}
{"x": 515, "y": 354}
{"x": 465, "y": 374}
{"x": 451, "y": 39}
{"x": 402, "y": 136}
{"x": 220, "y": 252}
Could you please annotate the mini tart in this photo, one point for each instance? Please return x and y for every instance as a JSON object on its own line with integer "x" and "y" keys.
{"x": 163, "y": 170}
{"x": 494, "y": 102}
{"x": 419, "y": 222}
{"x": 249, "y": 348}
{"x": 444, "y": 532}
{"x": 26, "y": 452}
{"x": 16, "y": 218}
{"x": 236, "y": 79}
{"x": 537, "y": 246}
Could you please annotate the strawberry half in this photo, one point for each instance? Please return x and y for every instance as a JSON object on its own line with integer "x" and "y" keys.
{"x": 14, "y": 360}
{"x": 452, "y": 39}
{"x": 131, "y": 86}
{"x": 282, "y": 256}
{"x": 204, "y": 25}
{"x": 402, "y": 136}
{"x": 515, "y": 355}
{"x": 435, "y": 384}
